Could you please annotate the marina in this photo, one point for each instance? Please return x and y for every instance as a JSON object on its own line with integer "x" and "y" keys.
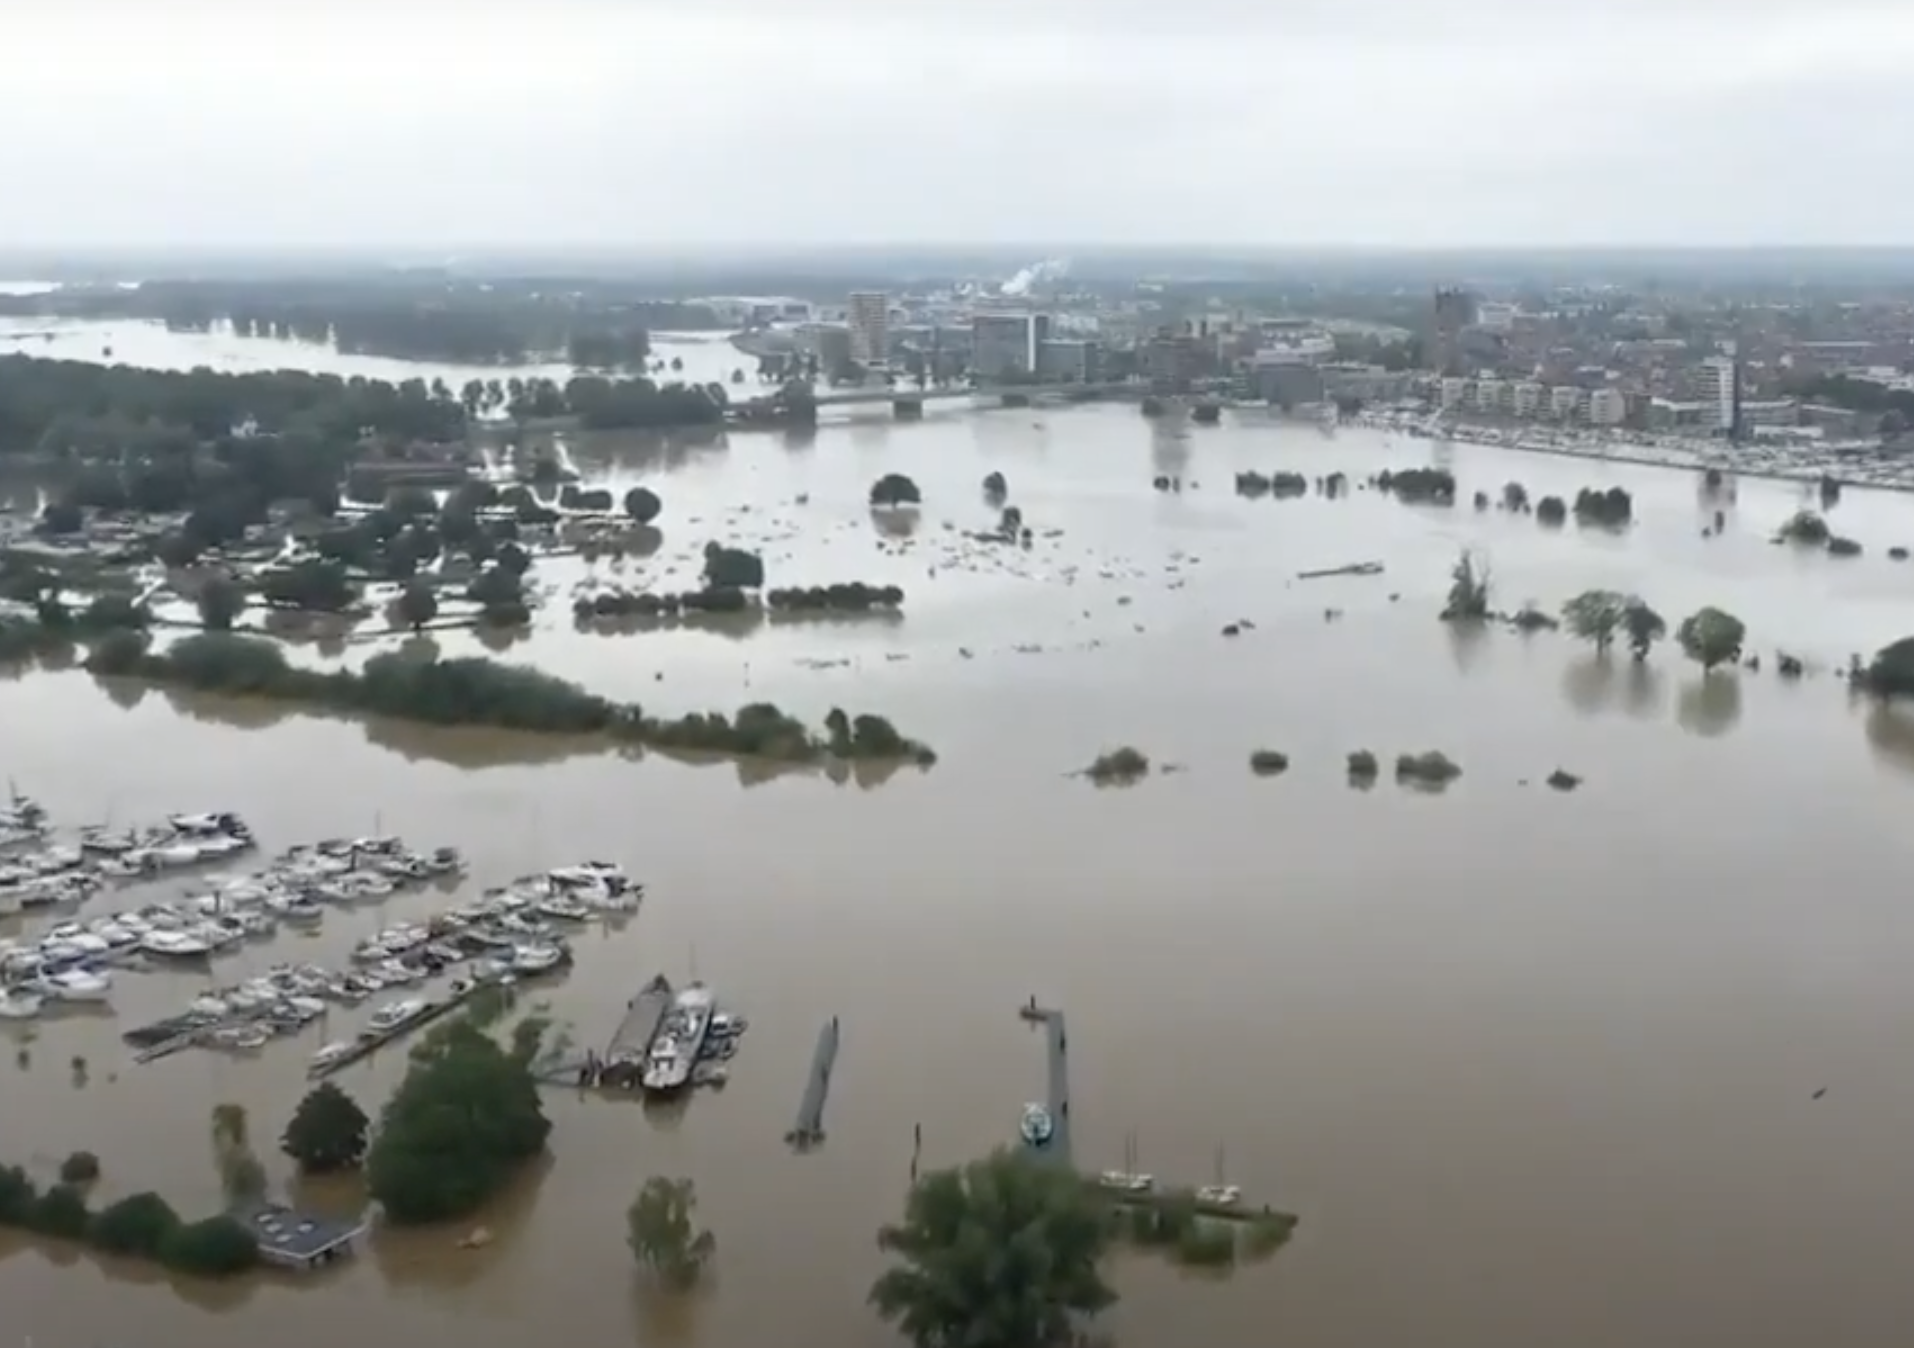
{"x": 505, "y": 936}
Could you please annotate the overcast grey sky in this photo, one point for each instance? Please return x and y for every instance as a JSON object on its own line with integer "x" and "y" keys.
{"x": 669, "y": 122}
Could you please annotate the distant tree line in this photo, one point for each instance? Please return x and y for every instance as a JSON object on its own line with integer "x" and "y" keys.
{"x": 454, "y": 321}
{"x": 137, "y": 419}
{"x": 1895, "y": 407}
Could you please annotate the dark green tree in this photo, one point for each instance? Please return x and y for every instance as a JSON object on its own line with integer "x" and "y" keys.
{"x": 1710, "y": 637}
{"x": 465, "y": 1117}
{"x": 894, "y": 489}
{"x": 213, "y": 1247}
{"x": 1644, "y": 627}
{"x": 221, "y": 601}
{"x": 661, "y": 1232}
{"x": 62, "y": 1213}
{"x": 1595, "y": 616}
{"x": 418, "y": 605}
{"x": 327, "y": 1131}
{"x": 1000, "y": 1253}
{"x": 643, "y": 505}
{"x": 137, "y": 1225}
{"x": 732, "y": 568}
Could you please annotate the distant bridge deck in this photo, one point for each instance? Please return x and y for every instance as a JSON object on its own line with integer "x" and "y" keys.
{"x": 910, "y": 393}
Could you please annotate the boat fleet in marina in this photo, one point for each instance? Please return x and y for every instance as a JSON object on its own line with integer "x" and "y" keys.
{"x": 505, "y": 936}
{"x": 72, "y": 962}
{"x": 37, "y": 871}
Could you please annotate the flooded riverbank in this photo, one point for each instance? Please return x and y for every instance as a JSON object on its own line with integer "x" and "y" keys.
{"x": 1530, "y": 1066}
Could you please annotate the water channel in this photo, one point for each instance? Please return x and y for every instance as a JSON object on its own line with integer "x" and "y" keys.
{"x": 1533, "y": 1067}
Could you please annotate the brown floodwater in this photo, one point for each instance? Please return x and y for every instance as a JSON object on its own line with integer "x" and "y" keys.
{"x": 1532, "y": 1067}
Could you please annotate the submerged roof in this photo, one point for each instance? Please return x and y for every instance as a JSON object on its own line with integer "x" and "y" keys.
{"x": 285, "y": 1234}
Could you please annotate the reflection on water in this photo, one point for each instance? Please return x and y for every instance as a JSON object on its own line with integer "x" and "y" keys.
{"x": 124, "y": 693}
{"x": 1589, "y": 682}
{"x": 1709, "y": 704}
{"x": 896, "y": 521}
{"x": 460, "y": 1255}
{"x": 1467, "y": 642}
{"x": 1597, "y": 683}
{"x": 1890, "y": 732}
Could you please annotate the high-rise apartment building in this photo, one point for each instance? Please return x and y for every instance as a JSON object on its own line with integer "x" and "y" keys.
{"x": 1716, "y": 387}
{"x": 1004, "y": 346}
{"x": 1454, "y": 310}
{"x": 869, "y": 319}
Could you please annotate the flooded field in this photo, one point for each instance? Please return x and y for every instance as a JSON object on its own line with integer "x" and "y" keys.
{"x": 1532, "y": 1067}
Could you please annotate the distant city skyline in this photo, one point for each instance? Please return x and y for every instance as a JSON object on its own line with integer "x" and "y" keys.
{"x": 666, "y": 124}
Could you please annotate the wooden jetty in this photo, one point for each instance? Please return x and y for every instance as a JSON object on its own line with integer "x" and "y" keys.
{"x": 1185, "y": 1198}
{"x": 808, "y": 1131}
{"x": 1056, "y": 1078}
{"x": 370, "y": 1042}
{"x": 1353, "y": 569}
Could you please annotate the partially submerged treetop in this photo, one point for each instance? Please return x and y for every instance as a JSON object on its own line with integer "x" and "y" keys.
{"x": 1000, "y": 1253}
{"x": 1710, "y": 637}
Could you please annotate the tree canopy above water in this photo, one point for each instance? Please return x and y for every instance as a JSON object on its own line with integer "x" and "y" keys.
{"x": 1000, "y": 1253}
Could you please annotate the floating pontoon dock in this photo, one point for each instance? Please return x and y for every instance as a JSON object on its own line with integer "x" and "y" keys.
{"x": 808, "y": 1131}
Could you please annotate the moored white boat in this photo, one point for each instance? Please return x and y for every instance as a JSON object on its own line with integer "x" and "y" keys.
{"x": 20, "y": 1004}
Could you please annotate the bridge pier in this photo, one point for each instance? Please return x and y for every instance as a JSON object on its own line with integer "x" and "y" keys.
{"x": 908, "y": 409}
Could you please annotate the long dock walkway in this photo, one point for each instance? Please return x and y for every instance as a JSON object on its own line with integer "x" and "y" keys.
{"x": 808, "y": 1131}
{"x": 1057, "y": 1077}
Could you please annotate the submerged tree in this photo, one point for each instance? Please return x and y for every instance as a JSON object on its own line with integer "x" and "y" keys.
{"x": 643, "y": 505}
{"x": 326, "y": 1132}
{"x": 1644, "y": 627}
{"x": 1000, "y": 1253}
{"x": 241, "y": 1177}
{"x": 660, "y": 1232}
{"x": 221, "y": 601}
{"x": 1468, "y": 590}
{"x": 1711, "y": 637}
{"x": 1595, "y": 616}
{"x": 418, "y": 604}
{"x": 463, "y": 1120}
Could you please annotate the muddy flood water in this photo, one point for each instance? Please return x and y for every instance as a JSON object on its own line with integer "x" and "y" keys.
{"x": 1532, "y": 1067}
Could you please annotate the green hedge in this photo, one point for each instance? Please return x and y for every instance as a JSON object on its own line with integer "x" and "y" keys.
{"x": 141, "y": 1226}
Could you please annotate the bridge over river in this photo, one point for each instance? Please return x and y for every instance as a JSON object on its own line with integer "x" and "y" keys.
{"x": 908, "y": 401}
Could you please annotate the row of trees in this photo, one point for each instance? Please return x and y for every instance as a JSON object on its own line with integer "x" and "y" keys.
{"x": 479, "y": 692}
{"x": 163, "y": 424}
{"x": 1709, "y": 636}
{"x": 427, "y": 319}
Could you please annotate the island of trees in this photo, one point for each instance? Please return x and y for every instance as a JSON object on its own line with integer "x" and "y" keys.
{"x": 462, "y": 692}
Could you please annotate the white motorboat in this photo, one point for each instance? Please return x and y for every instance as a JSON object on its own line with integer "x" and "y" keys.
{"x": 76, "y": 985}
{"x": 563, "y": 909}
{"x": 394, "y": 1014}
{"x": 535, "y": 957}
{"x": 176, "y": 945}
{"x": 1036, "y": 1125}
{"x": 327, "y": 1054}
{"x": 1127, "y": 1181}
{"x": 20, "y": 1004}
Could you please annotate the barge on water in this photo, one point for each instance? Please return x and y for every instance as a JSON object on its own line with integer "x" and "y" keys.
{"x": 693, "y": 1040}
{"x": 672, "y": 1056}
